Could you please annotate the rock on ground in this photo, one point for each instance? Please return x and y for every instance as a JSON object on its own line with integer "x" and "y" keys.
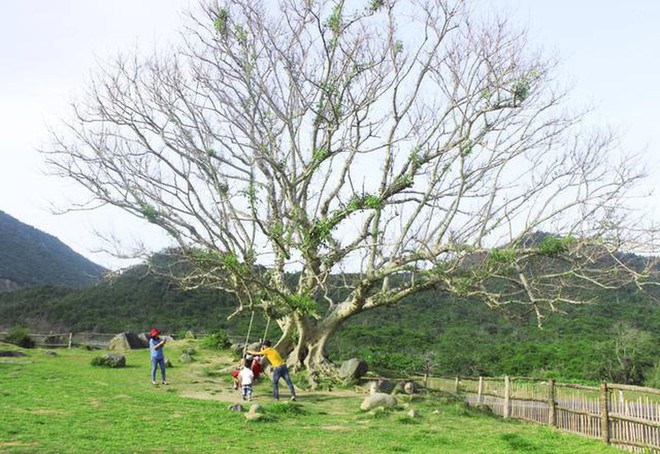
{"x": 378, "y": 400}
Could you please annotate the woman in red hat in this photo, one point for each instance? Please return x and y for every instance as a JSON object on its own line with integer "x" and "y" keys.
{"x": 157, "y": 356}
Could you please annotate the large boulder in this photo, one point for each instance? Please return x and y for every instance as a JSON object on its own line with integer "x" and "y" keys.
{"x": 113, "y": 360}
{"x": 353, "y": 369}
{"x": 378, "y": 400}
{"x": 237, "y": 347}
{"x": 381, "y": 385}
{"x": 129, "y": 341}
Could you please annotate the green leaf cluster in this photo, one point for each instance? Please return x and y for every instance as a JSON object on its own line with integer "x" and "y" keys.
{"x": 367, "y": 201}
{"x": 302, "y": 304}
{"x": 149, "y": 212}
{"x": 375, "y": 5}
{"x": 221, "y": 21}
{"x": 552, "y": 245}
{"x": 506, "y": 256}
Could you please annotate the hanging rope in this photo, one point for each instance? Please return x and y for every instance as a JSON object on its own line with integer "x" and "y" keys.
{"x": 266, "y": 332}
{"x": 247, "y": 338}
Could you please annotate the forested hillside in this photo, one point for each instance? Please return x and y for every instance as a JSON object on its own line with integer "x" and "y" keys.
{"x": 30, "y": 257}
{"x": 615, "y": 339}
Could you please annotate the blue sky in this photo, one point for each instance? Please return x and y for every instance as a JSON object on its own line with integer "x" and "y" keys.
{"x": 608, "y": 50}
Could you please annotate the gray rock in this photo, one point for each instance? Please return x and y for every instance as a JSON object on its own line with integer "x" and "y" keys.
{"x": 381, "y": 386}
{"x": 236, "y": 407}
{"x": 378, "y": 400}
{"x": 399, "y": 387}
{"x": 410, "y": 387}
{"x": 128, "y": 341}
{"x": 256, "y": 408}
{"x": 114, "y": 360}
{"x": 253, "y": 416}
{"x": 353, "y": 369}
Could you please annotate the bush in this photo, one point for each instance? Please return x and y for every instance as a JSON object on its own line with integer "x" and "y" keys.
{"x": 20, "y": 336}
{"x": 216, "y": 341}
{"x": 652, "y": 377}
{"x": 185, "y": 334}
{"x": 285, "y": 409}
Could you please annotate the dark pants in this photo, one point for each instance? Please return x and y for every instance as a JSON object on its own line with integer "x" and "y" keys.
{"x": 282, "y": 372}
{"x": 155, "y": 364}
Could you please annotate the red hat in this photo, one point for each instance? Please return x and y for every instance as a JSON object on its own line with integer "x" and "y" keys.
{"x": 154, "y": 332}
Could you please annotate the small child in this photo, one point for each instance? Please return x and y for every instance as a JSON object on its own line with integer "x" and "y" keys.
{"x": 245, "y": 377}
{"x": 256, "y": 367}
{"x": 237, "y": 369}
{"x": 235, "y": 372}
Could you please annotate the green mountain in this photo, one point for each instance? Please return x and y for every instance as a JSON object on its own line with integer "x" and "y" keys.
{"x": 616, "y": 339}
{"x": 32, "y": 258}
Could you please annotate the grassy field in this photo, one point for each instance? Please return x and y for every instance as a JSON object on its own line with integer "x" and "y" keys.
{"x": 62, "y": 404}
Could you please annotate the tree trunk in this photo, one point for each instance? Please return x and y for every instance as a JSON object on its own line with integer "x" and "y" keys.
{"x": 310, "y": 350}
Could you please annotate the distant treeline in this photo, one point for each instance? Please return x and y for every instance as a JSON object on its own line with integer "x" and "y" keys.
{"x": 616, "y": 339}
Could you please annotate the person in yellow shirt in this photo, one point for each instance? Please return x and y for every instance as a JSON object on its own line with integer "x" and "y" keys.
{"x": 280, "y": 370}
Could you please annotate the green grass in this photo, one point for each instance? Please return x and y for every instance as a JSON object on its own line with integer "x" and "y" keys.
{"x": 63, "y": 404}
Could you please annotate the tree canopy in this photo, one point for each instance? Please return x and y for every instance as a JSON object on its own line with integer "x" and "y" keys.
{"x": 399, "y": 145}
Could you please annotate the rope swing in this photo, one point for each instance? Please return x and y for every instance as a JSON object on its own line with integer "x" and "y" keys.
{"x": 247, "y": 338}
{"x": 266, "y": 332}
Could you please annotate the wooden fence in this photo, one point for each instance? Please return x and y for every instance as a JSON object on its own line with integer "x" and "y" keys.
{"x": 64, "y": 340}
{"x": 625, "y": 416}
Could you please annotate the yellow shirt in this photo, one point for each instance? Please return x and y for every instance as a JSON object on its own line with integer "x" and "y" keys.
{"x": 273, "y": 356}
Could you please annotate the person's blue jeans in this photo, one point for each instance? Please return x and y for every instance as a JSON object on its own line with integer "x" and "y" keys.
{"x": 282, "y": 372}
{"x": 155, "y": 364}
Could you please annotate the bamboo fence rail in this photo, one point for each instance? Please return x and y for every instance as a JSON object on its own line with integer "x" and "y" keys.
{"x": 625, "y": 416}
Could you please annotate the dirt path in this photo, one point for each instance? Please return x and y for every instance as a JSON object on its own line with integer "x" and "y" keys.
{"x": 222, "y": 392}
{"x": 210, "y": 379}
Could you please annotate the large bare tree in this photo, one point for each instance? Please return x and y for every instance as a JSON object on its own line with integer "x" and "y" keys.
{"x": 323, "y": 158}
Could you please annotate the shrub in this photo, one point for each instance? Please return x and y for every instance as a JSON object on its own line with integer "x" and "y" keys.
{"x": 185, "y": 334}
{"x": 189, "y": 351}
{"x": 20, "y": 336}
{"x": 285, "y": 409}
{"x": 216, "y": 341}
{"x": 652, "y": 377}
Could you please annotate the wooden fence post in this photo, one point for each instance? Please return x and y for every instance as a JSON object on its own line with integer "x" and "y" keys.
{"x": 552, "y": 404}
{"x": 70, "y": 340}
{"x": 506, "y": 412}
{"x": 480, "y": 391}
{"x": 604, "y": 414}
{"x": 457, "y": 385}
